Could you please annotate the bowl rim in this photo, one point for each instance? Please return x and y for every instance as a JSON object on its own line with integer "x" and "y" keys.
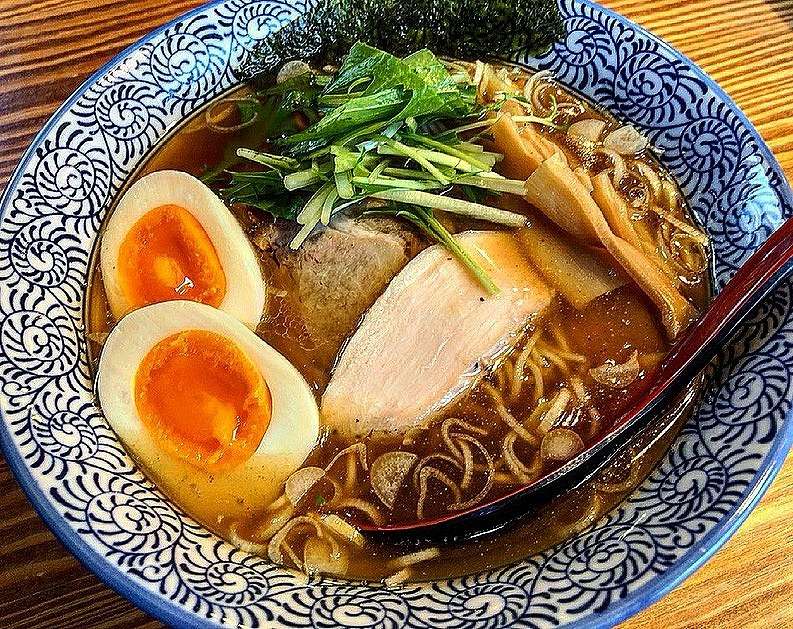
{"x": 169, "y": 612}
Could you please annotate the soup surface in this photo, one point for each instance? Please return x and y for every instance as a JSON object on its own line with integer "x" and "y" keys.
{"x": 559, "y": 383}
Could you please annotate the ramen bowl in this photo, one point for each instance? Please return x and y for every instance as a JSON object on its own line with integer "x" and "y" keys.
{"x": 93, "y": 496}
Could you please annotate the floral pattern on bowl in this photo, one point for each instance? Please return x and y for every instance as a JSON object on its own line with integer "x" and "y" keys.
{"x": 93, "y": 496}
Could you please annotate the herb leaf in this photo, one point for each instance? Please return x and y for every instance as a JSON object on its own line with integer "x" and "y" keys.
{"x": 371, "y": 147}
{"x": 356, "y": 112}
{"x": 390, "y": 90}
{"x": 263, "y": 190}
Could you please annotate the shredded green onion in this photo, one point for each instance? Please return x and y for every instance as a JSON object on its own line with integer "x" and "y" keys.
{"x": 455, "y": 206}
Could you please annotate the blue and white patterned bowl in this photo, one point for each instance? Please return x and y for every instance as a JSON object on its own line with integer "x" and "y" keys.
{"x": 92, "y": 495}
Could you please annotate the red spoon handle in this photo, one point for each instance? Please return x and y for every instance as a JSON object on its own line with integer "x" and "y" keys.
{"x": 771, "y": 263}
{"x": 758, "y": 276}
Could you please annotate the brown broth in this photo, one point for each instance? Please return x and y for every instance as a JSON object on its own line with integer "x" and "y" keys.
{"x": 549, "y": 524}
{"x": 633, "y": 325}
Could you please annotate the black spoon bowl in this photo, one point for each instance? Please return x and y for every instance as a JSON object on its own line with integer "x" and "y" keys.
{"x": 758, "y": 276}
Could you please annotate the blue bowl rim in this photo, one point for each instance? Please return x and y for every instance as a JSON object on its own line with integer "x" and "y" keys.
{"x": 173, "y": 615}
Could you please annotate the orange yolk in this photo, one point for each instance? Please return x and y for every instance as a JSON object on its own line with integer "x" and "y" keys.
{"x": 202, "y": 399}
{"x": 167, "y": 255}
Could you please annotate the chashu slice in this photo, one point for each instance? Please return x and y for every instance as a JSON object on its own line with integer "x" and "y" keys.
{"x": 427, "y": 337}
{"x": 340, "y": 272}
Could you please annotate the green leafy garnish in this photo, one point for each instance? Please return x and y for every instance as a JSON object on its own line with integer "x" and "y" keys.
{"x": 263, "y": 190}
{"x": 388, "y": 92}
{"x": 371, "y": 146}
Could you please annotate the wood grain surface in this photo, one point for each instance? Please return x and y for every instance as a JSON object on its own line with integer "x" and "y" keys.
{"x": 49, "y": 47}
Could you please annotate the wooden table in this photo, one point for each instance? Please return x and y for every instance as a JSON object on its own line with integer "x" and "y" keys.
{"x": 49, "y": 47}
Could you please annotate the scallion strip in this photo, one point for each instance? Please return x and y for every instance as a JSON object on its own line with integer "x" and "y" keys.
{"x": 426, "y": 156}
{"x": 278, "y": 162}
{"x": 451, "y": 243}
{"x": 392, "y": 147}
{"x": 470, "y": 147}
{"x": 314, "y": 203}
{"x": 310, "y": 215}
{"x": 426, "y": 222}
{"x": 388, "y": 182}
{"x": 455, "y": 206}
{"x": 305, "y": 231}
{"x": 379, "y": 169}
{"x": 479, "y": 124}
{"x": 302, "y": 179}
{"x": 362, "y": 132}
{"x": 344, "y": 184}
{"x": 450, "y": 150}
{"x": 496, "y": 184}
{"x": 327, "y": 205}
{"x": 407, "y": 172}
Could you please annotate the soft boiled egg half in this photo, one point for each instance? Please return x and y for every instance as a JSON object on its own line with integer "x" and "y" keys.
{"x": 170, "y": 237}
{"x": 216, "y": 416}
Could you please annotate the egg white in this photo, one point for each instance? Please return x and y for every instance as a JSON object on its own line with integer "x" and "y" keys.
{"x": 245, "y": 288}
{"x": 249, "y": 486}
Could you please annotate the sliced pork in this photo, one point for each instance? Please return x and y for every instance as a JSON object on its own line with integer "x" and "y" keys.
{"x": 429, "y": 335}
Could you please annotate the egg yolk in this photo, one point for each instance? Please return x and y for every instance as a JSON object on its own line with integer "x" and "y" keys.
{"x": 202, "y": 399}
{"x": 167, "y": 255}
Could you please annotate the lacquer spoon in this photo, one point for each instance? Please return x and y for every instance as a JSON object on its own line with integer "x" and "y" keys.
{"x": 754, "y": 280}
